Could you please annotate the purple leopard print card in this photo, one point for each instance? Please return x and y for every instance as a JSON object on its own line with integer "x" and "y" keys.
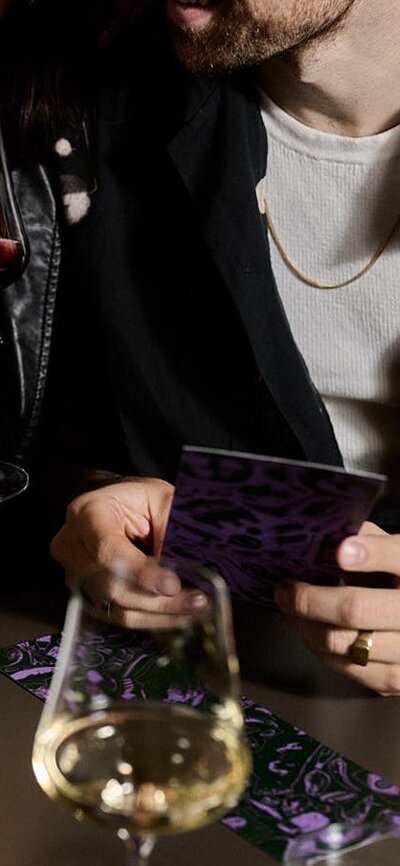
{"x": 257, "y": 519}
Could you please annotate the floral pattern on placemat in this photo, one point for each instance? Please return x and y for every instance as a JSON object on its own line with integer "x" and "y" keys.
{"x": 297, "y": 784}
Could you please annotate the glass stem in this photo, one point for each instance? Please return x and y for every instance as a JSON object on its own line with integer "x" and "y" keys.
{"x": 138, "y": 850}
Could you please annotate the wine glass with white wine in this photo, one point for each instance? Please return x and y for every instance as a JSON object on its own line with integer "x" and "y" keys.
{"x": 142, "y": 730}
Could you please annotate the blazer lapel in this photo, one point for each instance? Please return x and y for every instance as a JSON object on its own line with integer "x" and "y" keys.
{"x": 220, "y": 153}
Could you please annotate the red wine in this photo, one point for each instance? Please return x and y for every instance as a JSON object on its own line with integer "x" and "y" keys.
{"x": 11, "y": 261}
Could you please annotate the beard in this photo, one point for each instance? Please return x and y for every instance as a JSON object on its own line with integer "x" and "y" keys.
{"x": 239, "y": 37}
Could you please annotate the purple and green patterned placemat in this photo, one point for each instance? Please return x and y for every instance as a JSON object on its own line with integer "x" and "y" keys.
{"x": 297, "y": 784}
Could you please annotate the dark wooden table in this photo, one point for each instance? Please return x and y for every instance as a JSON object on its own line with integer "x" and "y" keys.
{"x": 276, "y": 672}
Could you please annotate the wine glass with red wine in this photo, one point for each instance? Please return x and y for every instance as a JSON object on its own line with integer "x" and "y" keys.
{"x": 14, "y": 246}
{"x": 13, "y": 480}
{"x": 14, "y": 255}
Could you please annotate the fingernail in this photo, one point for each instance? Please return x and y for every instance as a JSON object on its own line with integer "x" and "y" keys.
{"x": 353, "y": 553}
{"x": 197, "y": 601}
{"x": 168, "y": 584}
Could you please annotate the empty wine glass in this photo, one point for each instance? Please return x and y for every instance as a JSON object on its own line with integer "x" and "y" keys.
{"x": 14, "y": 247}
{"x": 142, "y": 730}
{"x": 346, "y": 843}
{"x": 13, "y": 480}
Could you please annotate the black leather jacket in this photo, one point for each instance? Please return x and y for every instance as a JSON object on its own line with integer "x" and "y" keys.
{"x": 26, "y": 315}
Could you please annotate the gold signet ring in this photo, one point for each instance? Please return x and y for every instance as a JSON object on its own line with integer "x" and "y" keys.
{"x": 361, "y": 648}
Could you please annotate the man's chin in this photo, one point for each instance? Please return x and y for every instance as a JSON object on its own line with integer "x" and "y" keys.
{"x": 191, "y": 52}
{"x": 197, "y": 62}
{"x": 211, "y": 57}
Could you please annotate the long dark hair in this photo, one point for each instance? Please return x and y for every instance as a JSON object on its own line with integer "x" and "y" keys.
{"x": 48, "y": 52}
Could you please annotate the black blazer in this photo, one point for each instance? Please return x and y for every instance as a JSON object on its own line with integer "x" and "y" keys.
{"x": 176, "y": 255}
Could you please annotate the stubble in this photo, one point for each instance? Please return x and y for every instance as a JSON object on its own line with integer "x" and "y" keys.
{"x": 239, "y": 37}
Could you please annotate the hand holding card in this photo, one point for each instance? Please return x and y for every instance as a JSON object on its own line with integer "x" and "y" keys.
{"x": 258, "y": 519}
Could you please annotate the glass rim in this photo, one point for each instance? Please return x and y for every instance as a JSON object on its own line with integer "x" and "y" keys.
{"x": 8, "y": 466}
{"x": 360, "y": 836}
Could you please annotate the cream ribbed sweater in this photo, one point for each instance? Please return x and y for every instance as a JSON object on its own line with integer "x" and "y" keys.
{"x": 333, "y": 199}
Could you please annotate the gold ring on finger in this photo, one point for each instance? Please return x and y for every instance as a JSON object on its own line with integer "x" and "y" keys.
{"x": 361, "y": 648}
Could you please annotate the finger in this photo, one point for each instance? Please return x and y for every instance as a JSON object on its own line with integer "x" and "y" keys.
{"x": 152, "y": 588}
{"x": 159, "y": 510}
{"x": 331, "y": 641}
{"x": 123, "y": 584}
{"x": 370, "y": 553}
{"x": 333, "y": 648}
{"x": 369, "y": 528}
{"x": 139, "y": 619}
{"x": 187, "y": 601}
{"x": 351, "y": 607}
{"x": 378, "y": 676}
{"x": 159, "y": 589}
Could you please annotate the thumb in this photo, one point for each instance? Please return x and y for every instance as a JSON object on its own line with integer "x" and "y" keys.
{"x": 370, "y": 553}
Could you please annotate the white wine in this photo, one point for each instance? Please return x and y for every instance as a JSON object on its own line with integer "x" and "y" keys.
{"x": 150, "y": 768}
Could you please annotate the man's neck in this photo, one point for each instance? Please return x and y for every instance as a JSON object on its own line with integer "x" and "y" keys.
{"x": 346, "y": 83}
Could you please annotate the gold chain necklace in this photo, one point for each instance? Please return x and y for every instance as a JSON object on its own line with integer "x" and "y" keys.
{"x": 314, "y": 283}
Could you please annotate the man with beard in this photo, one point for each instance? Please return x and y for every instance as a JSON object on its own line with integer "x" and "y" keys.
{"x": 241, "y": 256}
